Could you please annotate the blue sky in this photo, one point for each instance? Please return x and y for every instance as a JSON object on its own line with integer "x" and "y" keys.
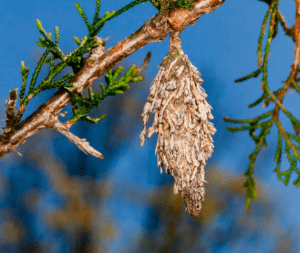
{"x": 222, "y": 45}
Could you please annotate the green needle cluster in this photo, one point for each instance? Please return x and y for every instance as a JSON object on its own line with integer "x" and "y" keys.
{"x": 260, "y": 126}
{"x": 75, "y": 60}
{"x": 81, "y": 105}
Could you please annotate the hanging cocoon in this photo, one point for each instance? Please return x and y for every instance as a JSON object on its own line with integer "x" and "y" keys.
{"x": 181, "y": 121}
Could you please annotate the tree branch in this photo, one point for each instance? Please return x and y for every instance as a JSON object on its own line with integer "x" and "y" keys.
{"x": 98, "y": 62}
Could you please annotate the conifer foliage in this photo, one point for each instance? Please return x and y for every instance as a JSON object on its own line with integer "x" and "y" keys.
{"x": 176, "y": 96}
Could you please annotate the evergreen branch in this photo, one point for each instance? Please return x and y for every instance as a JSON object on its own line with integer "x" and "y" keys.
{"x": 261, "y": 36}
{"x": 56, "y": 36}
{"x": 263, "y": 97}
{"x": 96, "y": 15}
{"x": 41, "y": 29}
{"x": 37, "y": 70}
{"x": 24, "y": 71}
{"x": 294, "y": 121}
{"x": 57, "y": 84}
{"x": 265, "y": 126}
{"x": 250, "y": 182}
{"x": 260, "y": 140}
{"x": 292, "y": 161}
{"x": 274, "y": 7}
{"x": 253, "y": 120}
{"x": 295, "y": 86}
{"x": 243, "y": 128}
{"x": 287, "y": 174}
{"x": 296, "y": 155}
{"x": 267, "y": 48}
{"x": 47, "y": 42}
{"x": 125, "y": 8}
{"x": 78, "y": 42}
{"x": 101, "y": 22}
{"x": 46, "y": 115}
{"x": 74, "y": 59}
{"x": 55, "y": 71}
{"x": 82, "y": 14}
{"x": 277, "y": 98}
{"x": 296, "y": 138}
{"x": 250, "y": 186}
{"x": 82, "y": 105}
{"x": 113, "y": 14}
{"x": 287, "y": 140}
{"x": 276, "y": 93}
{"x": 297, "y": 181}
{"x": 50, "y": 60}
{"x": 253, "y": 74}
{"x": 278, "y": 155}
{"x": 46, "y": 83}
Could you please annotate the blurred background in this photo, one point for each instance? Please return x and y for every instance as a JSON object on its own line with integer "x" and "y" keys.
{"x": 55, "y": 198}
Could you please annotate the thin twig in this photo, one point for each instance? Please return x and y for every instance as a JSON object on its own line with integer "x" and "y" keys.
{"x": 288, "y": 31}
